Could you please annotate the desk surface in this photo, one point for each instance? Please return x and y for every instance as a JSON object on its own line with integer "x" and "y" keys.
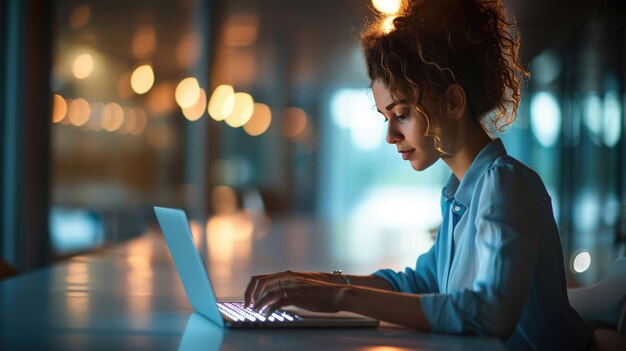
{"x": 130, "y": 297}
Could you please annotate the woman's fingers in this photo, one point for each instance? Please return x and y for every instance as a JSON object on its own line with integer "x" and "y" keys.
{"x": 247, "y": 295}
{"x": 257, "y": 285}
{"x": 272, "y": 299}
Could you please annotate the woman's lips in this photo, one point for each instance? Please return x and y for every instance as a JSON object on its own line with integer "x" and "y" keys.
{"x": 406, "y": 154}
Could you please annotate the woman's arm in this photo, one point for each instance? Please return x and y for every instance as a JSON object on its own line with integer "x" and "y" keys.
{"x": 369, "y": 281}
{"x": 260, "y": 282}
{"x": 394, "y": 307}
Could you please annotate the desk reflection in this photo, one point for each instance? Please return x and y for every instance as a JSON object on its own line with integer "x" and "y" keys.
{"x": 202, "y": 334}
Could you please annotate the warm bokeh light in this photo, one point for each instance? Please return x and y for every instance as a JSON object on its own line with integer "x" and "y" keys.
{"x": 387, "y": 6}
{"x": 189, "y": 49}
{"x": 187, "y": 92}
{"x": 144, "y": 42}
{"x": 294, "y": 122}
{"x": 241, "y": 30}
{"x": 222, "y": 102}
{"x": 83, "y": 66}
{"x": 59, "y": 108}
{"x": 196, "y": 111}
{"x": 387, "y": 24}
{"x": 223, "y": 200}
{"x": 141, "y": 121}
{"x": 140, "y": 282}
{"x": 142, "y": 79}
{"x": 197, "y": 231}
{"x": 242, "y": 111}
{"x": 260, "y": 121}
{"x": 78, "y": 112}
{"x": 159, "y": 136}
{"x": 161, "y": 98}
{"x": 229, "y": 239}
{"x": 80, "y": 16}
{"x": 112, "y": 116}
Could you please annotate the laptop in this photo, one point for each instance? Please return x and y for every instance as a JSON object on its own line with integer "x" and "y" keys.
{"x": 197, "y": 284}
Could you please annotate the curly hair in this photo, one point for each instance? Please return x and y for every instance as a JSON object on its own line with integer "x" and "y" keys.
{"x": 436, "y": 43}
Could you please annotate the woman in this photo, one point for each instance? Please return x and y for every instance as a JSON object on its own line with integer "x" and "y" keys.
{"x": 446, "y": 74}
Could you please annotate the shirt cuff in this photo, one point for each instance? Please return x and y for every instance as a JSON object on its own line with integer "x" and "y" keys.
{"x": 388, "y": 275}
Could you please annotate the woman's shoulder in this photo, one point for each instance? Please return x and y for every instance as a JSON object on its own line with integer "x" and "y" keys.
{"x": 509, "y": 174}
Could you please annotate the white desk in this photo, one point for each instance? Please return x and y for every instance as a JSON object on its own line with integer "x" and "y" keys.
{"x": 130, "y": 297}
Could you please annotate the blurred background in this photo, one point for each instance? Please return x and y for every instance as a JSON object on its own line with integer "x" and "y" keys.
{"x": 255, "y": 116}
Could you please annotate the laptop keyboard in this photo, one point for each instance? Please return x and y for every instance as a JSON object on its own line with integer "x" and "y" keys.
{"x": 236, "y": 311}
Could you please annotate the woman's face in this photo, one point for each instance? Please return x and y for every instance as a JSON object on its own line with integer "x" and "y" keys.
{"x": 406, "y": 127}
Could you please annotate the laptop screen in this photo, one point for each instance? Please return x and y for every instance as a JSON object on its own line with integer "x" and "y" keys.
{"x": 189, "y": 264}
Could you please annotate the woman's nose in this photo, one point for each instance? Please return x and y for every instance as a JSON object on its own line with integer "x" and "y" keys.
{"x": 393, "y": 135}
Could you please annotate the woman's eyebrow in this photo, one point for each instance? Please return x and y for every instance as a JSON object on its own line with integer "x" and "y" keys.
{"x": 393, "y": 104}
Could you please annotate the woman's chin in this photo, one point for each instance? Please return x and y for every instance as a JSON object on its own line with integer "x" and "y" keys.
{"x": 421, "y": 165}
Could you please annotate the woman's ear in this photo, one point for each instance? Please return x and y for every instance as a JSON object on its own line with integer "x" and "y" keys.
{"x": 455, "y": 102}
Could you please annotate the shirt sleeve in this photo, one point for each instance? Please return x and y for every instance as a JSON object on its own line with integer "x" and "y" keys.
{"x": 420, "y": 280}
{"x": 509, "y": 210}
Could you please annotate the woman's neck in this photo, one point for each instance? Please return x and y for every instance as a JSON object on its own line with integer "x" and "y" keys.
{"x": 468, "y": 138}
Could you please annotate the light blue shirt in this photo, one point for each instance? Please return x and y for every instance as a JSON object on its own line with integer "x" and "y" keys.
{"x": 496, "y": 267}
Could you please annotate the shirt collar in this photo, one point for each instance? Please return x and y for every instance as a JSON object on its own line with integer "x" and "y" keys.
{"x": 462, "y": 191}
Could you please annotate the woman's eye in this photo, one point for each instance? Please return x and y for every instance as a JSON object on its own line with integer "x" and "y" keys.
{"x": 402, "y": 117}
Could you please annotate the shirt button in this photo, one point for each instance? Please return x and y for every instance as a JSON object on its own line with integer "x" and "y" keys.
{"x": 457, "y": 208}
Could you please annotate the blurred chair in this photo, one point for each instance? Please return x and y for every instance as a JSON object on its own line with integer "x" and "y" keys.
{"x": 603, "y": 306}
{"x": 6, "y": 270}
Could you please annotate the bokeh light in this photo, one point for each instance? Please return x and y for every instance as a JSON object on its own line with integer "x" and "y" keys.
{"x": 141, "y": 121}
{"x": 545, "y": 118}
{"x": 612, "y": 121}
{"x": 352, "y": 109}
{"x": 241, "y": 30}
{"x": 59, "y": 108}
{"x": 592, "y": 115}
{"x": 83, "y": 66}
{"x": 142, "y": 79}
{"x": 112, "y": 116}
{"x": 196, "y": 111}
{"x": 294, "y": 122}
{"x": 144, "y": 42}
{"x": 242, "y": 111}
{"x": 189, "y": 49}
{"x": 187, "y": 92}
{"x": 80, "y": 16}
{"x": 387, "y": 6}
{"x": 260, "y": 120}
{"x": 223, "y": 200}
{"x": 581, "y": 262}
{"x": 387, "y": 24}
{"x": 78, "y": 112}
{"x": 222, "y": 102}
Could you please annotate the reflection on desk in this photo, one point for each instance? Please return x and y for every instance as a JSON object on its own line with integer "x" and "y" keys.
{"x": 202, "y": 334}
{"x": 130, "y": 297}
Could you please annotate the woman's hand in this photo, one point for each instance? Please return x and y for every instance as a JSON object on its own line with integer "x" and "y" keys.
{"x": 311, "y": 291}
